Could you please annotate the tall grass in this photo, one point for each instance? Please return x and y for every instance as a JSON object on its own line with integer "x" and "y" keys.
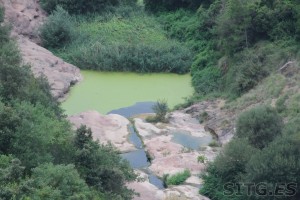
{"x": 124, "y": 42}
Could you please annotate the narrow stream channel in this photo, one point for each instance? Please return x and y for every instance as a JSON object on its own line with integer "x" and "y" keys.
{"x": 138, "y": 158}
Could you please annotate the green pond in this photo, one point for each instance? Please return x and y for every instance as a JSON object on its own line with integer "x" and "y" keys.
{"x": 107, "y": 91}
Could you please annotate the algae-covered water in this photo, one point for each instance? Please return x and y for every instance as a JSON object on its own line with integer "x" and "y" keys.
{"x": 107, "y": 91}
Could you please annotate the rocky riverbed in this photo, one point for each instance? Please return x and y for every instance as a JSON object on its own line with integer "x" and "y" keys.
{"x": 167, "y": 156}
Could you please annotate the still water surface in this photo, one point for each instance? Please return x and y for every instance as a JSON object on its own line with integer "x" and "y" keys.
{"x": 108, "y": 91}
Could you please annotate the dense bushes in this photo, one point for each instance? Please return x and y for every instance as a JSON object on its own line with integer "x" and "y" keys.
{"x": 206, "y": 80}
{"x": 228, "y": 167}
{"x": 138, "y": 57}
{"x": 245, "y": 40}
{"x": 39, "y": 158}
{"x": 58, "y": 30}
{"x": 135, "y": 43}
{"x": 82, "y": 6}
{"x": 259, "y": 126}
{"x": 261, "y": 153}
{"x": 101, "y": 166}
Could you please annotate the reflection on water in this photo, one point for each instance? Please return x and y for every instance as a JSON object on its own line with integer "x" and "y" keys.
{"x": 189, "y": 141}
{"x": 138, "y": 108}
{"x": 137, "y": 159}
{"x": 134, "y": 138}
{"x": 154, "y": 180}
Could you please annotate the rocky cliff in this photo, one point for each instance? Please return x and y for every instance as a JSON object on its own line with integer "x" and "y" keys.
{"x": 25, "y": 18}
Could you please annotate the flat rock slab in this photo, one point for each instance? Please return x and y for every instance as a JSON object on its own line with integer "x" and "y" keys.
{"x": 172, "y": 164}
{"x": 106, "y": 128}
{"x": 185, "y": 122}
{"x": 147, "y": 191}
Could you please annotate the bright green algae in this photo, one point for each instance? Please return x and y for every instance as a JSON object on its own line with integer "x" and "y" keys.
{"x": 106, "y": 91}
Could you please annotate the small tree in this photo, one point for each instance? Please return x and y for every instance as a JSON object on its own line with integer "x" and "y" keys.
{"x": 259, "y": 126}
{"x": 160, "y": 109}
{"x": 58, "y": 30}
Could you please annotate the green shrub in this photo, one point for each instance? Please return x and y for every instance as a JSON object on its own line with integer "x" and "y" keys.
{"x": 277, "y": 163}
{"x": 259, "y": 126}
{"x": 214, "y": 143}
{"x": 228, "y": 167}
{"x": 249, "y": 67}
{"x": 58, "y": 30}
{"x": 178, "y": 178}
{"x": 206, "y": 58}
{"x": 160, "y": 109}
{"x": 201, "y": 159}
{"x": 206, "y": 80}
{"x": 203, "y": 117}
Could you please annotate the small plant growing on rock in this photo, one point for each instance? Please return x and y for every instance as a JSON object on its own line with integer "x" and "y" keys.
{"x": 178, "y": 178}
{"x": 214, "y": 143}
{"x": 58, "y": 30}
{"x": 203, "y": 117}
{"x": 201, "y": 159}
{"x": 160, "y": 109}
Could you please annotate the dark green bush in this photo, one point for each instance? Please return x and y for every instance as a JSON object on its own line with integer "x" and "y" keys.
{"x": 206, "y": 58}
{"x": 206, "y": 80}
{"x": 277, "y": 164}
{"x": 102, "y": 166}
{"x": 82, "y": 6}
{"x": 232, "y": 161}
{"x": 229, "y": 166}
{"x": 259, "y": 126}
{"x": 58, "y": 30}
{"x": 248, "y": 67}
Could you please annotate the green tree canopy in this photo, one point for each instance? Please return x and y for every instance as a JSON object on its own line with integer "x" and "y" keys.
{"x": 259, "y": 126}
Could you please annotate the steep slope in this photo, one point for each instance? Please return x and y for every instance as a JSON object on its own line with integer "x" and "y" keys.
{"x": 25, "y": 17}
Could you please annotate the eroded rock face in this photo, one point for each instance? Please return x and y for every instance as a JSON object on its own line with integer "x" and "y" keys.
{"x": 217, "y": 119}
{"x": 106, "y": 128}
{"x": 60, "y": 75}
{"x": 26, "y": 16}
